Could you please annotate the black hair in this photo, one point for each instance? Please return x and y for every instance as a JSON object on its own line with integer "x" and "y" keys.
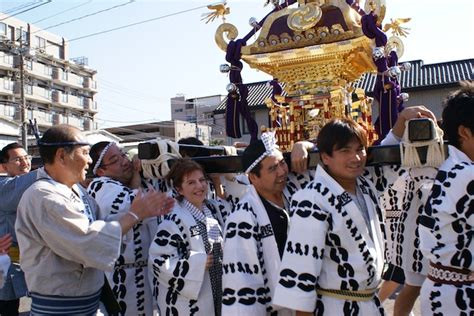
{"x": 4, "y": 156}
{"x": 337, "y": 133}
{"x": 458, "y": 110}
{"x": 65, "y": 136}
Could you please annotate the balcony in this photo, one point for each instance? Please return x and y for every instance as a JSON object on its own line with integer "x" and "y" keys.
{"x": 6, "y": 86}
{"x": 43, "y": 118}
{"x": 34, "y": 93}
{"x": 41, "y": 71}
{"x": 6, "y": 60}
{"x": 90, "y": 84}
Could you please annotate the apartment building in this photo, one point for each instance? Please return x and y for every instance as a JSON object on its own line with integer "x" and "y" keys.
{"x": 199, "y": 110}
{"x": 57, "y": 89}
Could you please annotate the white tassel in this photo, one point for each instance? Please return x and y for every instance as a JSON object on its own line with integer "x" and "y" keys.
{"x": 158, "y": 167}
{"x": 435, "y": 153}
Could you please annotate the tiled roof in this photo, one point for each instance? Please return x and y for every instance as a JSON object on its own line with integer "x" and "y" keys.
{"x": 420, "y": 76}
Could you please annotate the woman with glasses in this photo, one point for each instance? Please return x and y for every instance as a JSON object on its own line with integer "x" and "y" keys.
{"x": 185, "y": 256}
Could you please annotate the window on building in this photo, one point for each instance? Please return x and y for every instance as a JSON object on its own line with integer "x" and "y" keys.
{"x": 29, "y": 89}
{"x": 21, "y": 35}
{"x": 40, "y": 42}
{"x": 65, "y": 75}
{"x": 9, "y": 110}
{"x": 80, "y": 101}
{"x": 65, "y": 97}
{"x": 245, "y": 129}
{"x": 8, "y": 59}
{"x": 48, "y": 94}
{"x": 178, "y": 110}
{"x": 189, "y": 106}
{"x": 30, "y": 114}
{"x": 49, "y": 117}
{"x": 29, "y": 64}
{"x": 80, "y": 80}
{"x": 48, "y": 70}
{"x": 3, "y": 29}
{"x": 7, "y": 84}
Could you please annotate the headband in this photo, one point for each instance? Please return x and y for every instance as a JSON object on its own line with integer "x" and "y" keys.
{"x": 101, "y": 156}
{"x": 269, "y": 141}
{"x": 62, "y": 144}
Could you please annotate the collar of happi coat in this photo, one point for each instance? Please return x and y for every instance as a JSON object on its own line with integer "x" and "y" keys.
{"x": 457, "y": 155}
{"x": 196, "y": 212}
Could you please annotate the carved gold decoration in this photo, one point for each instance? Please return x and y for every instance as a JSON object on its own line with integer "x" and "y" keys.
{"x": 395, "y": 43}
{"x": 305, "y": 17}
{"x": 219, "y": 10}
{"x": 231, "y": 34}
{"x": 395, "y": 26}
{"x": 317, "y": 62}
{"x": 378, "y": 7}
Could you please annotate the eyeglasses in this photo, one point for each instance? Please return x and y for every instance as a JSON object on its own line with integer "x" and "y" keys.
{"x": 115, "y": 160}
{"x": 20, "y": 158}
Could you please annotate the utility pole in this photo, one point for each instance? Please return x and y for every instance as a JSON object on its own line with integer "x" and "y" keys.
{"x": 196, "y": 114}
{"x": 24, "y": 124}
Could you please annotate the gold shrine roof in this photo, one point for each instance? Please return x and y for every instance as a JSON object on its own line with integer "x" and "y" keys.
{"x": 317, "y": 41}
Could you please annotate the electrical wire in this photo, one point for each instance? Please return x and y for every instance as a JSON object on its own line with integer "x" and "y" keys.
{"x": 64, "y": 11}
{"x": 136, "y": 23}
{"x": 26, "y": 10}
{"x": 22, "y": 6}
{"x": 86, "y": 16}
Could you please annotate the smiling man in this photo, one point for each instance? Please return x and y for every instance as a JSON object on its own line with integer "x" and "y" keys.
{"x": 64, "y": 245}
{"x": 17, "y": 164}
{"x": 333, "y": 260}
{"x": 256, "y": 231}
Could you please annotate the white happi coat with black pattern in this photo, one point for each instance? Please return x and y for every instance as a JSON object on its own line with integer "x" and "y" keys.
{"x": 251, "y": 259}
{"x": 447, "y": 235}
{"x": 177, "y": 264}
{"x": 129, "y": 279}
{"x": 413, "y": 187}
{"x": 330, "y": 246}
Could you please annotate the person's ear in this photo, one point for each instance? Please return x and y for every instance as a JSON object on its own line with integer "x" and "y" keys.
{"x": 60, "y": 155}
{"x": 252, "y": 177}
{"x": 464, "y": 133}
{"x": 324, "y": 158}
{"x": 100, "y": 172}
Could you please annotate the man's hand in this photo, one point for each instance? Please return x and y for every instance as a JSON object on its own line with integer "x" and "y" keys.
{"x": 299, "y": 156}
{"x": 151, "y": 203}
{"x": 5, "y": 243}
{"x": 409, "y": 113}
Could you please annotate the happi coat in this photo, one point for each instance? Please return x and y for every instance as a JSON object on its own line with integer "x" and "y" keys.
{"x": 413, "y": 187}
{"x": 251, "y": 258}
{"x": 447, "y": 235}
{"x": 64, "y": 246}
{"x": 129, "y": 279}
{"x": 177, "y": 264}
{"x": 330, "y": 246}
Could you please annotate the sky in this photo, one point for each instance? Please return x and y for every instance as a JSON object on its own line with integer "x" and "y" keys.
{"x": 139, "y": 68}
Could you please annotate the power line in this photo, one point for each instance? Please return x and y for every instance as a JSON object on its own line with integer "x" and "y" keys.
{"x": 22, "y": 6}
{"x": 86, "y": 16}
{"x": 136, "y": 23}
{"x": 126, "y": 107}
{"x": 26, "y": 10}
{"x": 64, "y": 11}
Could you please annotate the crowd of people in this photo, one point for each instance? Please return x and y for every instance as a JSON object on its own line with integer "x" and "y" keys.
{"x": 273, "y": 240}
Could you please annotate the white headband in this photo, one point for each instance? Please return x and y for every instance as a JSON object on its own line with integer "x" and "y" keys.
{"x": 101, "y": 156}
{"x": 270, "y": 143}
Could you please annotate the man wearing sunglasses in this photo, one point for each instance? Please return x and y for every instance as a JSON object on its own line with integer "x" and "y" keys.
{"x": 17, "y": 165}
